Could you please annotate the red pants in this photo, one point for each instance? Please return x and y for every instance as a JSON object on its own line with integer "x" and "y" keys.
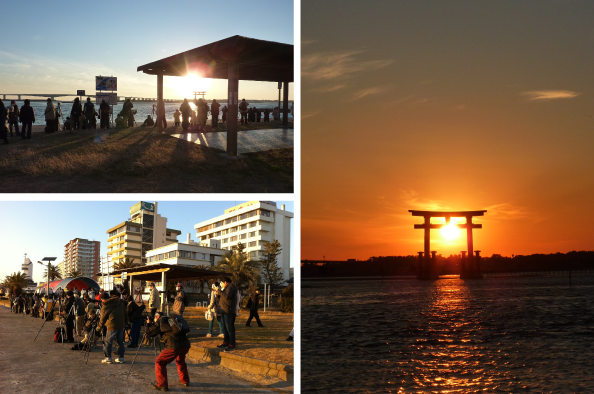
{"x": 167, "y": 356}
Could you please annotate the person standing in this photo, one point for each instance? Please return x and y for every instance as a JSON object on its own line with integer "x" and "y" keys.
{"x": 114, "y": 318}
{"x": 57, "y": 118}
{"x": 75, "y": 114}
{"x": 104, "y": 114}
{"x": 276, "y": 114}
{"x": 214, "y": 110}
{"x": 177, "y": 347}
{"x": 186, "y": 111}
{"x": 154, "y": 299}
{"x": 3, "y": 119}
{"x": 224, "y": 111}
{"x": 50, "y": 115}
{"x": 216, "y": 309}
{"x": 27, "y": 119}
{"x": 228, "y": 302}
{"x": 243, "y": 109}
{"x": 135, "y": 317}
{"x": 80, "y": 316}
{"x": 89, "y": 111}
{"x": 180, "y": 300}
{"x": 254, "y": 303}
{"x": 13, "y": 118}
{"x": 176, "y": 117}
{"x": 69, "y": 314}
{"x": 266, "y": 115}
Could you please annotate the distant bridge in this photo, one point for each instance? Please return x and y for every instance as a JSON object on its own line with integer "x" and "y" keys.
{"x": 18, "y": 96}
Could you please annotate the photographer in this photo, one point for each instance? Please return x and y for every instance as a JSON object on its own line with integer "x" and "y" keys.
{"x": 69, "y": 315}
{"x": 115, "y": 318}
{"x": 177, "y": 346}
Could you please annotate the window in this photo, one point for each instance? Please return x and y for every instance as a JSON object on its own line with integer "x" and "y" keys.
{"x": 234, "y": 229}
{"x": 252, "y": 244}
{"x": 225, "y": 240}
{"x": 243, "y": 236}
{"x": 253, "y": 224}
{"x": 217, "y": 233}
{"x": 234, "y": 238}
{"x": 244, "y": 216}
{"x": 253, "y": 234}
{"x": 244, "y": 227}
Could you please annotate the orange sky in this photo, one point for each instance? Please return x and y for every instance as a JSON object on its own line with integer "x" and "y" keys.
{"x": 447, "y": 105}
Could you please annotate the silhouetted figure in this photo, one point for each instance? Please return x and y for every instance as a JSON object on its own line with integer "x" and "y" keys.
{"x": 148, "y": 121}
{"x": 75, "y": 114}
{"x": 13, "y": 117}
{"x": 214, "y": 110}
{"x": 224, "y": 111}
{"x": 104, "y": 114}
{"x": 243, "y": 109}
{"x": 27, "y": 119}
{"x": 186, "y": 111}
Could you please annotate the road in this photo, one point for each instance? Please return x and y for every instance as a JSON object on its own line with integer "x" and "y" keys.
{"x": 45, "y": 367}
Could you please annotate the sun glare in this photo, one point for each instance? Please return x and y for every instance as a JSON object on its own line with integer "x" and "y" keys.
{"x": 185, "y": 87}
{"x": 450, "y": 231}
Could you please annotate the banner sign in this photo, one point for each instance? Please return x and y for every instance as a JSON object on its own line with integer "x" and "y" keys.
{"x": 110, "y": 98}
{"x": 106, "y": 83}
{"x": 80, "y": 92}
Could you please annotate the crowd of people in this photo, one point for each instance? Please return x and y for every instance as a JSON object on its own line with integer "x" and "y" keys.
{"x": 81, "y": 117}
{"x": 91, "y": 315}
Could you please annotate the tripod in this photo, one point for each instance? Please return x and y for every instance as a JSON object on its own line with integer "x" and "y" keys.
{"x": 45, "y": 318}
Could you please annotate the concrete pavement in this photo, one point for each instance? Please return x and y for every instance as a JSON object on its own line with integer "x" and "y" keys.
{"x": 47, "y": 367}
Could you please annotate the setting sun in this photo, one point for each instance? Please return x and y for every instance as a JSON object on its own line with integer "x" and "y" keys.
{"x": 185, "y": 87}
{"x": 450, "y": 231}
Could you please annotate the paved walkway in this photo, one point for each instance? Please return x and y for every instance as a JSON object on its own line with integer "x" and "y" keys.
{"x": 247, "y": 141}
{"x": 47, "y": 367}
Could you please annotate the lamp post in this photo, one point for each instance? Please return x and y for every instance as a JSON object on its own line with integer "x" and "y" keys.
{"x": 49, "y": 260}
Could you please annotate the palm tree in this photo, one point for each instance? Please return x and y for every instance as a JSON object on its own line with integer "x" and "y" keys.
{"x": 15, "y": 282}
{"x": 74, "y": 273}
{"x": 244, "y": 272}
{"x": 125, "y": 263}
{"x": 53, "y": 273}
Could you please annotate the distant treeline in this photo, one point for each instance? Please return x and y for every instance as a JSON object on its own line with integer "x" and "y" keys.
{"x": 406, "y": 265}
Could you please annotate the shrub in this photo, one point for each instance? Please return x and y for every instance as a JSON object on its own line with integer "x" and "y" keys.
{"x": 286, "y": 302}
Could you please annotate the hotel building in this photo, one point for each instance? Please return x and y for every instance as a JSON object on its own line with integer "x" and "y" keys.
{"x": 252, "y": 223}
{"x": 188, "y": 254}
{"x": 82, "y": 255}
{"x": 144, "y": 231}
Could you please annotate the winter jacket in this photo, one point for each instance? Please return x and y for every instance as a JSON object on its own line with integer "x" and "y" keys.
{"x": 3, "y": 115}
{"x": 76, "y": 110}
{"x": 80, "y": 308}
{"x": 214, "y": 107}
{"x": 104, "y": 108}
{"x": 178, "y": 305}
{"x": 228, "y": 300}
{"x": 134, "y": 311}
{"x": 50, "y": 111}
{"x": 113, "y": 314}
{"x": 255, "y": 297}
{"x": 13, "y": 115}
{"x": 215, "y": 304}
{"x": 171, "y": 340}
{"x": 155, "y": 299}
{"x": 185, "y": 108}
{"x": 89, "y": 109}
{"x": 127, "y": 108}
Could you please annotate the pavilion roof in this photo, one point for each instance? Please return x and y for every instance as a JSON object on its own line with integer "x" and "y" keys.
{"x": 259, "y": 60}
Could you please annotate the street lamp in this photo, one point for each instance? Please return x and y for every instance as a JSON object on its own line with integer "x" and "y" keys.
{"x": 48, "y": 259}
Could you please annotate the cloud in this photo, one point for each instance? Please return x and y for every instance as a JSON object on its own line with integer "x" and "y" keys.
{"x": 412, "y": 200}
{"x": 328, "y": 66}
{"x": 506, "y": 211}
{"x": 536, "y": 95}
{"x": 370, "y": 91}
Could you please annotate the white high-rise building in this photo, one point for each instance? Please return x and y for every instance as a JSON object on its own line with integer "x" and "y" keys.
{"x": 82, "y": 255}
{"x": 252, "y": 223}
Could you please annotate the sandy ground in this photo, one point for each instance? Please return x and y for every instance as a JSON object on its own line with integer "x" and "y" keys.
{"x": 43, "y": 366}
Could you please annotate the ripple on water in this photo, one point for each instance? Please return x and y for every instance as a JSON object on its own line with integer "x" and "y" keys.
{"x": 448, "y": 336}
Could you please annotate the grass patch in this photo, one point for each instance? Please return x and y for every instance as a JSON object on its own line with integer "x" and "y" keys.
{"x": 137, "y": 160}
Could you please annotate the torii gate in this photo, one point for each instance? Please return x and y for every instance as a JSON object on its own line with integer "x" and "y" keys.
{"x": 427, "y": 264}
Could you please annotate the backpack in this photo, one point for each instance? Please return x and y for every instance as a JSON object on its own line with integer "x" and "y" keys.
{"x": 179, "y": 325}
{"x": 59, "y": 334}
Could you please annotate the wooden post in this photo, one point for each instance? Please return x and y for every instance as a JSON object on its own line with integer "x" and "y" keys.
{"x": 160, "y": 103}
{"x": 420, "y": 266}
{"x": 232, "y": 102}
{"x": 285, "y": 103}
{"x": 463, "y": 265}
